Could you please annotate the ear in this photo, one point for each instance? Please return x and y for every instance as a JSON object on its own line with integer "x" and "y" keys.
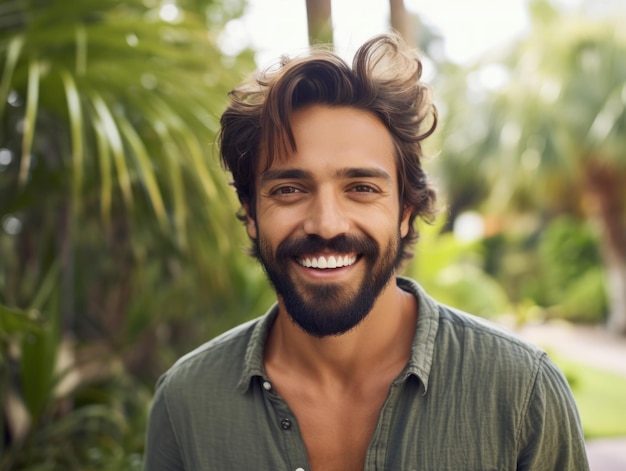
{"x": 250, "y": 223}
{"x": 404, "y": 221}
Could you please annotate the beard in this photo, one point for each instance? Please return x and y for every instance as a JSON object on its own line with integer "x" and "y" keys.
{"x": 329, "y": 309}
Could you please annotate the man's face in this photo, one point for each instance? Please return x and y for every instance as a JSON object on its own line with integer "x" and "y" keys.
{"x": 328, "y": 219}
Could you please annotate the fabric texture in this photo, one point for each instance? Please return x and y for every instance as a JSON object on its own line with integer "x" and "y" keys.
{"x": 473, "y": 396}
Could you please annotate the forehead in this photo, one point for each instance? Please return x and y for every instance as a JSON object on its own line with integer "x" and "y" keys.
{"x": 328, "y": 138}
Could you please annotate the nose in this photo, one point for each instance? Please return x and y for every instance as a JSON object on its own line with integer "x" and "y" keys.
{"x": 326, "y": 216}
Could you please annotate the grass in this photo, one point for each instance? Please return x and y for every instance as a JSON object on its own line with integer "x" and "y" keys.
{"x": 600, "y": 395}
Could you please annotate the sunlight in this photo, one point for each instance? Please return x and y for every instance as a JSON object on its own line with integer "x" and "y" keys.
{"x": 169, "y": 12}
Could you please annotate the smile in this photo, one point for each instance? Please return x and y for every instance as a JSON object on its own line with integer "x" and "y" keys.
{"x": 323, "y": 262}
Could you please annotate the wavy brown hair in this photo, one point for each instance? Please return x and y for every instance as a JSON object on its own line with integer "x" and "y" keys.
{"x": 385, "y": 79}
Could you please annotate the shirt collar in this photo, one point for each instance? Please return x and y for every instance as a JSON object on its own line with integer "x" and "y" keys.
{"x": 422, "y": 349}
{"x": 253, "y": 360}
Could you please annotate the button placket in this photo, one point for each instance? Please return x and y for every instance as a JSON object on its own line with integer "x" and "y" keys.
{"x": 294, "y": 448}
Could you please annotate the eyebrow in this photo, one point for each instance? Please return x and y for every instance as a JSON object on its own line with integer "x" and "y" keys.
{"x": 365, "y": 172}
{"x": 349, "y": 173}
{"x": 285, "y": 174}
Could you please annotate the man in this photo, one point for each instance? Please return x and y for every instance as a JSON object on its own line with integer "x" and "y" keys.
{"x": 355, "y": 367}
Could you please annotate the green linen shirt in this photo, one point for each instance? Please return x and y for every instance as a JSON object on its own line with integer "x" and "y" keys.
{"x": 472, "y": 397}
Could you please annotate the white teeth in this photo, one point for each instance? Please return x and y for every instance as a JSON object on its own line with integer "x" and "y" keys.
{"x": 331, "y": 262}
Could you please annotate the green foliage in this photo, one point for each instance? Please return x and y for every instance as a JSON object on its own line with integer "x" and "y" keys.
{"x": 570, "y": 275}
{"x": 103, "y": 431}
{"x": 452, "y": 272}
{"x": 14, "y": 322}
{"x": 119, "y": 249}
{"x": 567, "y": 248}
{"x": 538, "y": 128}
{"x": 585, "y": 298}
{"x": 554, "y": 270}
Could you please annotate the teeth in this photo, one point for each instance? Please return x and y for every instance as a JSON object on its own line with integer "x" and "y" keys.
{"x": 331, "y": 262}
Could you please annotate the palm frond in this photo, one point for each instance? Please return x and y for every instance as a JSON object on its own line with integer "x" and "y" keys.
{"x": 30, "y": 120}
{"x": 14, "y": 47}
{"x": 75, "y": 115}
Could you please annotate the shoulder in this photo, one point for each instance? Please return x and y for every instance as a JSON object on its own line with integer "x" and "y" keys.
{"x": 480, "y": 335}
{"x": 451, "y": 345}
{"x": 455, "y": 333}
{"x": 216, "y": 363}
{"x": 493, "y": 358}
{"x": 498, "y": 363}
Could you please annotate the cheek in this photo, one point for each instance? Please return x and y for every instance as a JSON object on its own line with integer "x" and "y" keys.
{"x": 274, "y": 225}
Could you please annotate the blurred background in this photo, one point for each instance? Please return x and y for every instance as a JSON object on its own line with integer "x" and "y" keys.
{"x": 119, "y": 249}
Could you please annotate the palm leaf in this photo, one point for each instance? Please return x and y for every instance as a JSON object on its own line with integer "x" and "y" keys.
{"x": 113, "y": 137}
{"x": 75, "y": 115}
{"x": 30, "y": 120}
{"x": 145, "y": 170}
{"x": 12, "y": 55}
{"x": 105, "y": 167}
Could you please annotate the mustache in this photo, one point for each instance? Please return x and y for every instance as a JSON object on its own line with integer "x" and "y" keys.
{"x": 311, "y": 244}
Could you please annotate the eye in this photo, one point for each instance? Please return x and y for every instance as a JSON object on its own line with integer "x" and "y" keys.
{"x": 286, "y": 190}
{"x": 363, "y": 188}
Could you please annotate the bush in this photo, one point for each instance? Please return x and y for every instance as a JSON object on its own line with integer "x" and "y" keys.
{"x": 571, "y": 279}
{"x": 452, "y": 272}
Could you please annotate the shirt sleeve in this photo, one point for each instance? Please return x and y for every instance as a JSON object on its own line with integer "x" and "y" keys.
{"x": 162, "y": 452}
{"x": 551, "y": 435}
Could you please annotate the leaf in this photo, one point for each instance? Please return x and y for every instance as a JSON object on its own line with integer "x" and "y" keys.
{"x": 40, "y": 347}
{"x": 13, "y": 51}
{"x": 47, "y": 286}
{"x": 178, "y": 190}
{"x": 39, "y": 351}
{"x": 199, "y": 167}
{"x": 30, "y": 120}
{"x": 607, "y": 118}
{"x": 15, "y": 322}
{"x": 81, "y": 50}
{"x": 146, "y": 171}
{"x": 76, "y": 129}
{"x": 104, "y": 165}
{"x": 111, "y": 133}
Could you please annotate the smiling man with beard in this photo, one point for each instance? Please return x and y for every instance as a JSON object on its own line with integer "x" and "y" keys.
{"x": 355, "y": 367}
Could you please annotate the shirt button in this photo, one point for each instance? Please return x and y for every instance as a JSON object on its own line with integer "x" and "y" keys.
{"x": 267, "y": 385}
{"x": 300, "y": 469}
{"x": 285, "y": 424}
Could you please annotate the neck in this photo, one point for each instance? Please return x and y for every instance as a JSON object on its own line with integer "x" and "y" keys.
{"x": 381, "y": 341}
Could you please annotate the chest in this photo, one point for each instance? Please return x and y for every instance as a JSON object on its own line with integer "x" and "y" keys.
{"x": 407, "y": 430}
{"x": 337, "y": 428}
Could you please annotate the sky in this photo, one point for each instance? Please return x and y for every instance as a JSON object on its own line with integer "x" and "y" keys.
{"x": 469, "y": 28}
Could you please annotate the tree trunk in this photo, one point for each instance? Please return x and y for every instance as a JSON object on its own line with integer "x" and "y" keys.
{"x": 607, "y": 207}
{"x": 402, "y": 23}
{"x": 319, "y": 22}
